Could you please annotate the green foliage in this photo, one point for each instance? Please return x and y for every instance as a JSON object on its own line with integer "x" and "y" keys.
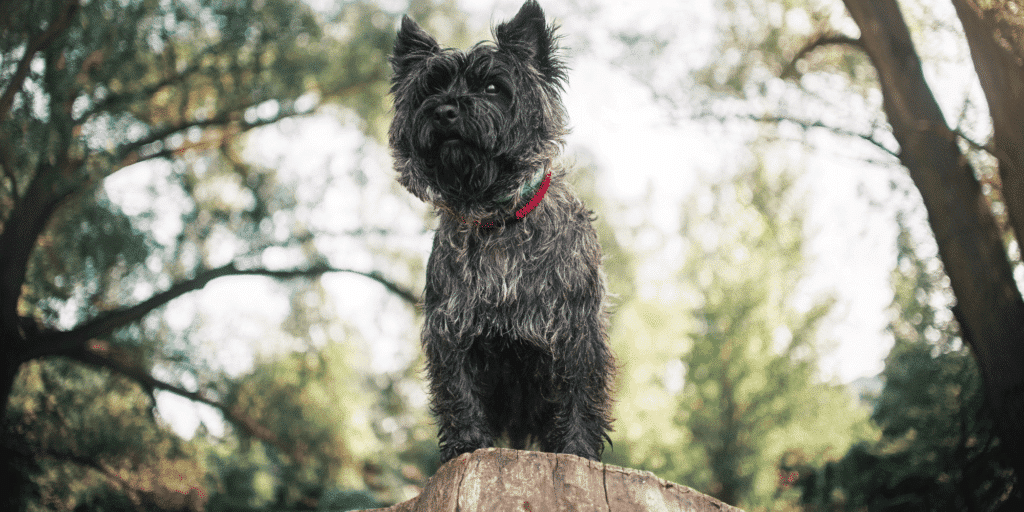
{"x": 85, "y": 259}
{"x": 137, "y": 81}
{"x": 752, "y": 389}
{"x": 315, "y": 420}
{"x": 328, "y": 437}
{"x": 757, "y": 39}
{"x": 103, "y": 425}
{"x": 936, "y": 450}
{"x": 717, "y": 384}
{"x": 122, "y": 173}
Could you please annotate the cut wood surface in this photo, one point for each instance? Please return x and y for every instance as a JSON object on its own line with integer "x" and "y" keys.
{"x": 500, "y": 479}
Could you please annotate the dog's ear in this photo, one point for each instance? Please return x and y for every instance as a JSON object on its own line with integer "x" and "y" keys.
{"x": 530, "y": 38}
{"x": 412, "y": 45}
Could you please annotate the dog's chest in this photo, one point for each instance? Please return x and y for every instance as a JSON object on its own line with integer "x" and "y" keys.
{"x": 499, "y": 273}
{"x": 502, "y": 273}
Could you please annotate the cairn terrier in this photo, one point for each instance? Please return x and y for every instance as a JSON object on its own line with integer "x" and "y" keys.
{"x": 515, "y": 328}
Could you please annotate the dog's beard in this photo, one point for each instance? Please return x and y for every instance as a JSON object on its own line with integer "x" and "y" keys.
{"x": 463, "y": 159}
{"x": 463, "y": 170}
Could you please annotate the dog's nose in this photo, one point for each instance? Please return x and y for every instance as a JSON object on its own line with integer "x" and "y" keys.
{"x": 446, "y": 114}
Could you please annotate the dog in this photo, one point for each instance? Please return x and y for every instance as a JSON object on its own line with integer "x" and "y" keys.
{"x": 515, "y": 302}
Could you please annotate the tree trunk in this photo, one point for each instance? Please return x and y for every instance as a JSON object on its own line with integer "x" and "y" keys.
{"x": 8, "y": 372}
{"x": 499, "y": 479}
{"x": 1001, "y": 74}
{"x": 989, "y": 306}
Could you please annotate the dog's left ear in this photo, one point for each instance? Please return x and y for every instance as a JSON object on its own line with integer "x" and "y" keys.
{"x": 412, "y": 44}
{"x": 528, "y": 37}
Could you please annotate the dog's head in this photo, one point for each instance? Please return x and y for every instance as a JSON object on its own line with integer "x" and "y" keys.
{"x": 471, "y": 128}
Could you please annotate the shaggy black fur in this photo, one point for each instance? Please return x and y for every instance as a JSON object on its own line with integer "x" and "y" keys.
{"x": 515, "y": 319}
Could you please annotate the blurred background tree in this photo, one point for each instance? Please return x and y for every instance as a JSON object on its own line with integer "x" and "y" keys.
{"x": 937, "y": 449}
{"x": 723, "y": 367}
{"x": 867, "y": 76}
{"x": 89, "y": 92}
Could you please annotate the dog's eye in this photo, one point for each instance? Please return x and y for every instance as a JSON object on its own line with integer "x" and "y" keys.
{"x": 492, "y": 89}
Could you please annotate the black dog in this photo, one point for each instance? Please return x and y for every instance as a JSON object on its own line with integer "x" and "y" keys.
{"x": 514, "y": 301}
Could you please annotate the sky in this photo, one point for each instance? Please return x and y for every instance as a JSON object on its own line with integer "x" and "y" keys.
{"x": 636, "y": 148}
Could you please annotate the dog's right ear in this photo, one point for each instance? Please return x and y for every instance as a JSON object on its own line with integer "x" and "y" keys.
{"x": 411, "y": 45}
{"x": 530, "y": 38}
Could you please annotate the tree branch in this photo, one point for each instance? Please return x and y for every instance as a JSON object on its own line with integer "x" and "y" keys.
{"x": 807, "y": 125}
{"x": 71, "y": 342}
{"x": 37, "y": 43}
{"x": 150, "y": 90}
{"x": 993, "y": 151}
{"x": 233, "y": 414}
{"x": 30, "y": 215}
{"x": 1001, "y": 75}
{"x": 5, "y": 161}
{"x": 23, "y": 227}
{"x": 38, "y": 452}
{"x": 824, "y": 39}
{"x": 232, "y": 120}
{"x": 129, "y": 153}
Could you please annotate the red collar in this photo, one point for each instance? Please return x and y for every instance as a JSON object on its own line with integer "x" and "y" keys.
{"x": 521, "y": 213}
{"x": 536, "y": 197}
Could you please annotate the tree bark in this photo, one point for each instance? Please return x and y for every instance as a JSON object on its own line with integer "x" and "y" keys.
{"x": 989, "y": 306}
{"x": 1001, "y": 74}
{"x": 500, "y": 479}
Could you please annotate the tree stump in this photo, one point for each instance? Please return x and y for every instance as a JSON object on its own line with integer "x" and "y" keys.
{"x": 500, "y": 479}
